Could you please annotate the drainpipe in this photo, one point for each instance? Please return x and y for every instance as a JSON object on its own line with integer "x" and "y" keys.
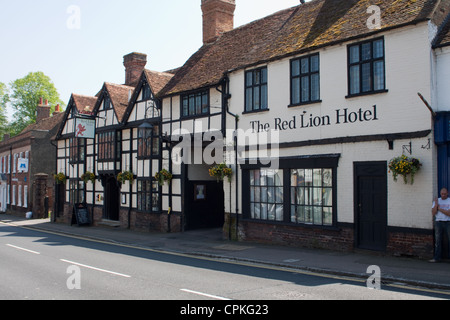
{"x": 226, "y": 97}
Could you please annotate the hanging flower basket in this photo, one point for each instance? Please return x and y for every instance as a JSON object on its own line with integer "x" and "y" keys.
{"x": 221, "y": 171}
{"x": 404, "y": 166}
{"x": 60, "y": 178}
{"x": 88, "y": 176}
{"x": 125, "y": 176}
{"x": 163, "y": 176}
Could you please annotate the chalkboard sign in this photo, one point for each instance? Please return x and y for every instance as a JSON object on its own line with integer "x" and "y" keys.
{"x": 81, "y": 215}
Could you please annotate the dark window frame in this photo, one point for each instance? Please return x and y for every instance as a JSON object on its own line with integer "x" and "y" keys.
{"x": 195, "y": 104}
{"x": 77, "y": 150}
{"x": 296, "y": 80}
{"x": 256, "y": 85}
{"x": 77, "y": 191}
{"x": 148, "y": 189}
{"x": 149, "y": 143}
{"x": 287, "y": 165}
{"x": 109, "y": 146}
{"x": 366, "y": 61}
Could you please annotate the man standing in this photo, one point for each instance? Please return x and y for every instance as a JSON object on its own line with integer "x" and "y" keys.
{"x": 441, "y": 213}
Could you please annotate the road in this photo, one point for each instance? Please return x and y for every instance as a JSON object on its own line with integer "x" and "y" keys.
{"x": 46, "y": 266}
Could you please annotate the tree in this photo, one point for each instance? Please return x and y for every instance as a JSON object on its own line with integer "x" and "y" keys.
{"x": 24, "y": 98}
{"x": 3, "y": 101}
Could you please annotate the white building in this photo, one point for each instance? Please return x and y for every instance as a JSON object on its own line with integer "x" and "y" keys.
{"x": 313, "y": 102}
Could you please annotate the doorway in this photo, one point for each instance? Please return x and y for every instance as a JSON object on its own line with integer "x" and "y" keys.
{"x": 371, "y": 205}
{"x": 112, "y": 199}
{"x": 204, "y": 205}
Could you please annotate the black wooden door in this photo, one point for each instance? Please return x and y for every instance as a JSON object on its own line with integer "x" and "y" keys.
{"x": 204, "y": 205}
{"x": 112, "y": 200}
{"x": 371, "y": 205}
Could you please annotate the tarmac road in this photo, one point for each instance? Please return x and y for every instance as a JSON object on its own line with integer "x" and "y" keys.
{"x": 40, "y": 265}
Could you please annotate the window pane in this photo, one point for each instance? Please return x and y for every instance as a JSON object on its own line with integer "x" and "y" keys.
{"x": 378, "y": 73}
{"x": 264, "y": 104}
{"x": 256, "y": 98}
{"x": 328, "y": 197}
{"x": 318, "y": 215}
{"x": 327, "y": 216}
{"x": 308, "y": 215}
{"x": 366, "y": 78}
{"x": 366, "y": 51}
{"x": 264, "y": 76}
{"x": 315, "y": 63}
{"x": 198, "y": 104}
{"x": 191, "y": 105}
{"x": 378, "y": 49}
{"x": 295, "y": 90}
{"x": 264, "y": 212}
{"x": 264, "y": 194}
{"x": 354, "y": 80}
{"x": 305, "y": 89}
{"x": 278, "y": 178}
{"x": 185, "y": 106}
{"x": 327, "y": 177}
{"x": 205, "y": 104}
{"x": 354, "y": 54}
{"x": 315, "y": 87}
{"x": 249, "y": 100}
{"x": 249, "y": 79}
{"x": 279, "y": 212}
{"x": 317, "y": 196}
{"x": 305, "y": 65}
{"x": 317, "y": 177}
{"x": 256, "y": 77}
{"x": 295, "y": 68}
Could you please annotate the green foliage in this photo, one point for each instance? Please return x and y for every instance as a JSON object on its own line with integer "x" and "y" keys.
{"x": 3, "y": 101}
{"x": 24, "y": 98}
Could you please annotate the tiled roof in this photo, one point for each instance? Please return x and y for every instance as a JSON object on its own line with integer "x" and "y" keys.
{"x": 47, "y": 124}
{"x": 157, "y": 80}
{"x": 84, "y": 103}
{"x": 303, "y": 28}
{"x": 120, "y": 95}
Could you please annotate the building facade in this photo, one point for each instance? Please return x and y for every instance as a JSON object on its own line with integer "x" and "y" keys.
{"x": 23, "y": 158}
{"x": 307, "y": 107}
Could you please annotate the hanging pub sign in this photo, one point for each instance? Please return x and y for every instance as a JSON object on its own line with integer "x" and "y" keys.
{"x": 85, "y": 128}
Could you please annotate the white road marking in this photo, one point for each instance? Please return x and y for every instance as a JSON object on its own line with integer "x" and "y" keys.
{"x": 97, "y": 269}
{"x": 204, "y": 294}
{"x": 23, "y": 249}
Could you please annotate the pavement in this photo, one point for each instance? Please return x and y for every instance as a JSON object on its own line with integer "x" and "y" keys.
{"x": 210, "y": 243}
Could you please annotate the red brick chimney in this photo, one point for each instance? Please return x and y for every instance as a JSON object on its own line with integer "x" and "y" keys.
{"x": 218, "y": 17}
{"x": 43, "y": 110}
{"x": 57, "y": 110}
{"x": 134, "y": 66}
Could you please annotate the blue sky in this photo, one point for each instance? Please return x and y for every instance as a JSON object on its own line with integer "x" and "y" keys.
{"x": 80, "y": 54}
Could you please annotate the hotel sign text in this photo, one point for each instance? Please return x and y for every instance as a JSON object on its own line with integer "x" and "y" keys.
{"x": 305, "y": 120}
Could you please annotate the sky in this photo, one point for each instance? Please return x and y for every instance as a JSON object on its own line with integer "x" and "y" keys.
{"x": 80, "y": 44}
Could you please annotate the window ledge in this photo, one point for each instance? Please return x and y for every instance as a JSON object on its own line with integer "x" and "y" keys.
{"x": 256, "y": 111}
{"x": 365, "y": 94}
{"x": 304, "y": 103}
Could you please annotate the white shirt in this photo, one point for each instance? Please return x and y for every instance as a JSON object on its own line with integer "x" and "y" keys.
{"x": 444, "y": 204}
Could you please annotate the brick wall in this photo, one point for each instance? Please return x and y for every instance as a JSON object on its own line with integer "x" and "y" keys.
{"x": 401, "y": 242}
{"x": 340, "y": 239}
